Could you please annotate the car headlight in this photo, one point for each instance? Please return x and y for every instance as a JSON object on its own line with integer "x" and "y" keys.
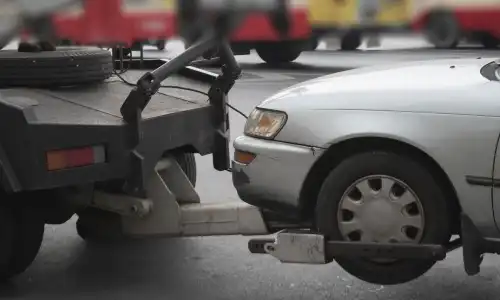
{"x": 263, "y": 123}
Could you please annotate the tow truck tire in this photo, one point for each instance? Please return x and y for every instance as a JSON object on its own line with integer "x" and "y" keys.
{"x": 443, "y": 30}
{"x": 433, "y": 206}
{"x": 97, "y": 225}
{"x": 65, "y": 66}
{"x": 7, "y": 225}
{"x": 187, "y": 162}
{"x": 28, "y": 236}
{"x": 279, "y": 53}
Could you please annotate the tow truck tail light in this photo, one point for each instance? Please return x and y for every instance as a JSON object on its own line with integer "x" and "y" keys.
{"x": 75, "y": 157}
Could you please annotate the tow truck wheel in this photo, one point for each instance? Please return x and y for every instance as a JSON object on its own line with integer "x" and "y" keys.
{"x": 7, "y": 225}
{"x": 21, "y": 234}
{"x": 279, "y": 53}
{"x": 388, "y": 198}
{"x": 187, "y": 162}
{"x": 28, "y": 237}
{"x": 96, "y": 225}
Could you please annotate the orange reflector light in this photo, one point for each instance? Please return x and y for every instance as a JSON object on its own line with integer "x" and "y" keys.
{"x": 243, "y": 157}
{"x": 75, "y": 157}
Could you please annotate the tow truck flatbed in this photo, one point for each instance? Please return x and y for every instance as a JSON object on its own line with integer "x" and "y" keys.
{"x": 100, "y": 104}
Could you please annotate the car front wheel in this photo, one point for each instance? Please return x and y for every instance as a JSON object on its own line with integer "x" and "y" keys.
{"x": 386, "y": 198}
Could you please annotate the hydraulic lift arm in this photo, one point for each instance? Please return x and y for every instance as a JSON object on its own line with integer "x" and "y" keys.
{"x": 149, "y": 84}
{"x": 224, "y": 17}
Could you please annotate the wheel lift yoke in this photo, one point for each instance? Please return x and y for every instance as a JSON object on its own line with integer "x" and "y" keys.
{"x": 150, "y": 83}
{"x": 304, "y": 246}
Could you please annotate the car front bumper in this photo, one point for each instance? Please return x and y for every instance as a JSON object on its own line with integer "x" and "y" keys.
{"x": 273, "y": 179}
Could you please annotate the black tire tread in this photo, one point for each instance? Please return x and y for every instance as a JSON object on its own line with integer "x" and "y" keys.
{"x": 65, "y": 66}
{"x": 29, "y": 231}
{"x": 187, "y": 162}
{"x": 7, "y": 225}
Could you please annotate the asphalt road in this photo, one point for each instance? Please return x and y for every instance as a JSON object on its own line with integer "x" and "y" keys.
{"x": 221, "y": 267}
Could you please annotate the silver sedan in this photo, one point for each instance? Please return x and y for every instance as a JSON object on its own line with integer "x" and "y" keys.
{"x": 393, "y": 154}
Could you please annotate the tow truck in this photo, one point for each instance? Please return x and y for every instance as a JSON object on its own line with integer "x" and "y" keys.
{"x": 116, "y": 148}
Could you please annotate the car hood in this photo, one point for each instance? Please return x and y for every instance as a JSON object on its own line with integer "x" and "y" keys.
{"x": 441, "y": 86}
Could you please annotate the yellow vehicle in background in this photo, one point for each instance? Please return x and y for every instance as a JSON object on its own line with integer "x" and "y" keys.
{"x": 352, "y": 18}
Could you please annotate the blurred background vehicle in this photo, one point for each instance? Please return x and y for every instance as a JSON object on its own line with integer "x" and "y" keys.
{"x": 351, "y": 19}
{"x": 443, "y": 23}
{"x": 446, "y": 23}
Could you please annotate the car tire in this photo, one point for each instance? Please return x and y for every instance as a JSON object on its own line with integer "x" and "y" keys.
{"x": 28, "y": 236}
{"x": 351, "y": 41}
{"x": 443, "y": 30}
{"x": 433, "y": 206}
{"x": 279, "y": 53}
{"x": 62, "y": 67}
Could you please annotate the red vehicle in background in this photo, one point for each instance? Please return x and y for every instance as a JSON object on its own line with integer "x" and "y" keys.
{"x": 140, "y": 21}
{"x": 257, "y": 33}
{"x": 446, "y": 23}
